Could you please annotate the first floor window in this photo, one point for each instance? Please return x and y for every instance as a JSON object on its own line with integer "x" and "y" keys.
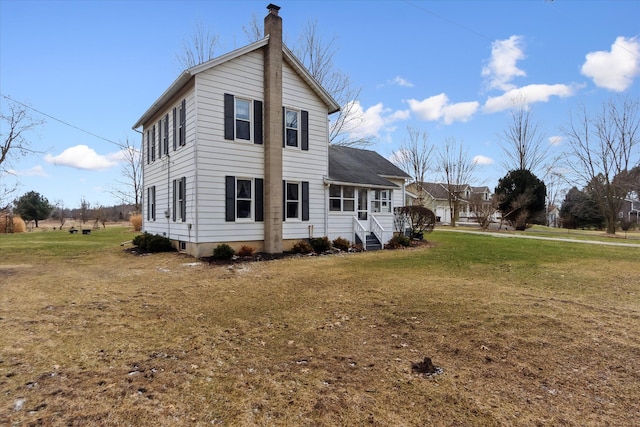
{"x": 243, "y": 199}
{"x": 180, "y": 199}
{"x": 381, "y": 201}
{"x": 342, "y": 198}
{"x": 292, "y": 200}
{"x": 151, "y": 203}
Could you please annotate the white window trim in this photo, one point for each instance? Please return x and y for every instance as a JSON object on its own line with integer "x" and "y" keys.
{"x": 252, "y": 184}
{"x": 235, "y": 120}
{"x": 298, "y": 145}
{"x": 298, "y": 201}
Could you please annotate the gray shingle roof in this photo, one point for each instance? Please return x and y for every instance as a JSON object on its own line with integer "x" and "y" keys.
{"x": 357, "y": 166}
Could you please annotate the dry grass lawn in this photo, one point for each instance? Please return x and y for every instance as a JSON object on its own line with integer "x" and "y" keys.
{"x": 526, "y": 332}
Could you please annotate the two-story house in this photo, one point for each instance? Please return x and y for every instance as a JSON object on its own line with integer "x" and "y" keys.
{"x": 237, "y": 151}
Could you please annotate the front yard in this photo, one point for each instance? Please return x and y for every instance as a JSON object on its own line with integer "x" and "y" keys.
{"x": 525, "y": 332}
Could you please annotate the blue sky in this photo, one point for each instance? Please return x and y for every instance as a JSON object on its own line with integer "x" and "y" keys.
{"x": 448, "y": 68}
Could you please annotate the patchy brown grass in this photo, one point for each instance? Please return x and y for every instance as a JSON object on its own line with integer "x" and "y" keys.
{"x": 109, "y": 338}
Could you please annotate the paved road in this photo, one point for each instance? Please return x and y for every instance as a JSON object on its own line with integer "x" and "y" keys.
{"x": 521, "y": 236}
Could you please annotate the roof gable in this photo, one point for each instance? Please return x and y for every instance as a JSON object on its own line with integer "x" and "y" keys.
{"x": 356, "y": 166}
{"x": 186, "y": 76}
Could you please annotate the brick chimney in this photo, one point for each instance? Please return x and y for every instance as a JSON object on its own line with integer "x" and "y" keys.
{"x": 273, "y": 191}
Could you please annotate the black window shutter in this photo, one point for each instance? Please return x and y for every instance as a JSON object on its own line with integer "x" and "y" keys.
{"x": 183, "y": 123}
{"x": 183, "y": 212}
{"x": 305, "y": 130}
{"x": 284, "y": 127}
{"x": 284, "y": 200}
{"x": 148, "y": 148}
{"x": 165, "y": 141}
{"x": 175, "y": 127}
{"x": 228, "y": 117}
{"x": 159, "y": 139}
{"x": 230, "y": 198}
{"x": 175, "y": 198}
{"x": 259, "y": 199}
{"x": 257, "y": 122}
{"x": 305, "y": 200}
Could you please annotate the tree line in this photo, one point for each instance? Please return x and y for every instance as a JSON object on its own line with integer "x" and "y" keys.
{"x": 33, "y": 206}
{"x": 601, "y": 165}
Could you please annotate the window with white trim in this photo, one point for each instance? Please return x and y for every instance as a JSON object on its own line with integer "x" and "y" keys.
{"x": 164, "y": 135}
{"x": 153, "y": 143}
{"x": 342, "y": 198}
{"x": 244, "y": 199}
{"x": 293, "y": 198}
{"x": 179, "y": 199}
{"x": 292, "y": 127}
{"x": 243, "y": 119}
{"x": 151, "y": 203}
{"x": 381, "y": 202}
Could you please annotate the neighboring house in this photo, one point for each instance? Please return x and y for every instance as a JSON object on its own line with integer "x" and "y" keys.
{"x": 630, "y": 211}
{"x": 237, "y": 151}
{"x": 435, "y": 196}
{"x": 553, "y": 216}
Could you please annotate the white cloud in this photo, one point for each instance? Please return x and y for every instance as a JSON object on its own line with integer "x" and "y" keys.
{"x": 438, "y": 107}
{"x": 528, "y": 94}
{"x": 460, "y": 112}
{"x": 482, "y": 160}
{"x": 83, "y": 157}
{"x": 555, "y": 140}
{"x": 502, "y": 68}
{"x": 401, "y": 81}
{"x": 375, "y": 119}
{"x": 615, "y": 69}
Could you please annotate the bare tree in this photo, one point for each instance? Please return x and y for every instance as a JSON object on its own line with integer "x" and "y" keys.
{"x": 130, "y": 188}
{"x": 604, "y": 146}
{"x": 483, "y": 209}
{"x": 252, "y": 30}
{"x": 199, "y": 48}
{"x": 59, "y": 213}
{"x": 14, "y": 142}
{"x": 522, "y": 142}
{"x": 85, "y": 210}
{"x": 318, "y": 54}
{"x": 414, "y": 157}
{"x": 457, "y": 169}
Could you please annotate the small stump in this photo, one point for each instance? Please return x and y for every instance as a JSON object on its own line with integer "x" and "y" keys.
{"x": 426, "y": 367}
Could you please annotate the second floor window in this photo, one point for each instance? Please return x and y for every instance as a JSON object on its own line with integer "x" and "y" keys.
{"x": 243, "y": 119}
{"x": 291, "y": 127}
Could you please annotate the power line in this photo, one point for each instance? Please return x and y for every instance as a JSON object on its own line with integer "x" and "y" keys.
{"x": 62, "y": 121}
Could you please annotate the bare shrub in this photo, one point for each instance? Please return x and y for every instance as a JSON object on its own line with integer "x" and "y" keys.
{"x": 11, "y": 224}
{"x": 136, "y": 222}
{"x": 246, "y": 250}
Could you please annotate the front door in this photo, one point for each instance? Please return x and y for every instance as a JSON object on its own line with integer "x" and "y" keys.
{"x": 363, "y": 205}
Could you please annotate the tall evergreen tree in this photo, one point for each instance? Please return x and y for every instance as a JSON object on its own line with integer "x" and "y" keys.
{"x": 32, "y": 207}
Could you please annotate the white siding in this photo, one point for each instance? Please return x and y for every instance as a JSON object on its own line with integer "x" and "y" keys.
{"x": 301, "y": 165}
{"x": 161, "y": 173}
{"x": 217, "y": 157}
